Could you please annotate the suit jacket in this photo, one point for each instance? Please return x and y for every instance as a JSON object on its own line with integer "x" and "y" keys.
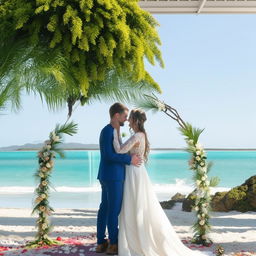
{"x": 112, "y": 165}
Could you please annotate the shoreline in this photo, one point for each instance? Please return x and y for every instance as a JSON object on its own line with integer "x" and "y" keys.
{"x": 69, "y": 200}
{"x": 234, "y": 231}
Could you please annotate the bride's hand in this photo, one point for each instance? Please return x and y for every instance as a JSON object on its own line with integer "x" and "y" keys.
{"x": 137, "y": 144}
{"x": 118, "y": 131}
{"x": 136, "y": 160}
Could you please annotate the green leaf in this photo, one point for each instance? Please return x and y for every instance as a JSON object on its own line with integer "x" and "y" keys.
{"x": 209, "y": 166}
{"x": 214, "y": 181}
{"x": 69, "y": 128}
{"x": 190, "y": 132}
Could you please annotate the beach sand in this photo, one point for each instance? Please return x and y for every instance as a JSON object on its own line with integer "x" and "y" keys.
{"x": 234, "y": 231}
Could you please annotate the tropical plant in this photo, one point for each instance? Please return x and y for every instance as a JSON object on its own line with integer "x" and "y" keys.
{"x": 41, "y": 74}
{"x": 93, "y": 38}
{"x": 10, "y": 95}
{"x": 47, "y": 75}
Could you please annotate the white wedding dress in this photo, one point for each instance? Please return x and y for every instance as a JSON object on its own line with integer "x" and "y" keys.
{"x": 144, "y": 229}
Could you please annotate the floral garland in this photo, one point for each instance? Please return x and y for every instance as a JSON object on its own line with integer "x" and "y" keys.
{"x": 197, "y": 163}
{"x": 41, "y": 203}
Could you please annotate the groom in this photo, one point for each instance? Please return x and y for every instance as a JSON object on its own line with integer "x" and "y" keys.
{"x": 111, "y": 176}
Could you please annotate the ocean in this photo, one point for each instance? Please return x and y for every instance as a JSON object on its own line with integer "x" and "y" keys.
{"x": 75, "y": 177}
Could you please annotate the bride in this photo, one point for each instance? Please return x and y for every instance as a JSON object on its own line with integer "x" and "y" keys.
{"x": 144, "y": 229}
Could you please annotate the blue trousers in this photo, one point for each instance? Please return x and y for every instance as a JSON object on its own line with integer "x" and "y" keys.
{"x": 110, "y": 207}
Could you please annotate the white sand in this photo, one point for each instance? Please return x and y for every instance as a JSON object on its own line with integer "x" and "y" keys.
{"x": 234, "y": 231}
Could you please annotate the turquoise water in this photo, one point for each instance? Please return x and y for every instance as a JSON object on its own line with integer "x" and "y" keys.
{"x": 76, "y": 175}
{"x": 80, "y": 168}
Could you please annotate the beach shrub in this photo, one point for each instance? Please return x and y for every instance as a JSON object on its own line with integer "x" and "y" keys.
{"x": 240, "y": 198}
{"x": 234, "y": 196}
{"x": 178, "y": 197}
{"x": 236, "y": 193}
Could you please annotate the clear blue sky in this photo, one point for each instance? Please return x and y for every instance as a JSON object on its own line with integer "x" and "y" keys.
{"x": 209, "y": 76}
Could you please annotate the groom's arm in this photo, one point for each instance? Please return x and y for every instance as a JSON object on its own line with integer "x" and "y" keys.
{"x": 107, "y": 149}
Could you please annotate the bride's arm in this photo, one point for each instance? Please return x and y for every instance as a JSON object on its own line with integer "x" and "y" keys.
{"x": 119, "y": 137}
{"x": 124, "y": 148}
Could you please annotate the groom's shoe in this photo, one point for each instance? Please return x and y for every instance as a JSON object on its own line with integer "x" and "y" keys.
{"x": 102, "y": 247}
{"x": 112, "y": 249}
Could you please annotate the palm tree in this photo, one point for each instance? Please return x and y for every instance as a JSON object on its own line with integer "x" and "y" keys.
{"x": 75, "y": 45}
{"x": 46, "y": 72}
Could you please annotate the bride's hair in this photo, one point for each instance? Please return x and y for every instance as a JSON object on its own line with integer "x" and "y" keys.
{"x": 138, "y": 117}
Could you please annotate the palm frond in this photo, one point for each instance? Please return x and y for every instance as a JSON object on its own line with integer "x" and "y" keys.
{"x": 209, "y": 166}
{"x": 47, "y": 76}
{"x": 119, "y": 88}
{"x": 34, "y": 69}
{"x": 46, "y": 72}
{"x": 148, "y": 102}
{"x": 70, "y": 129}
{"x": 214, "y": 181}
{"x": 190, "y": 132}
{"x": 3, "y": 97}
{"x": 10, "y": 95}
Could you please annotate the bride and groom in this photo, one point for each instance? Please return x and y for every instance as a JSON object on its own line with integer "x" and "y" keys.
{"x": 128, "y": 200}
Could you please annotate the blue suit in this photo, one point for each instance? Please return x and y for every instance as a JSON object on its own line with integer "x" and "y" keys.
{"x": 111, "y": 176}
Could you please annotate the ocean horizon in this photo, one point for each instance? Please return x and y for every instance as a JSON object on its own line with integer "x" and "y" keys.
{"x": 75, "y": 177}
{"x": 152, "y": 149}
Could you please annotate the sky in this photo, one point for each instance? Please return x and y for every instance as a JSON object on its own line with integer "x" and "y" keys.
{"x": 209, "y": 77}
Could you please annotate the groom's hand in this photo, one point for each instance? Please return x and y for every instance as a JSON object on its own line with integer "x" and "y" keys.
{"x": 136, "y": 160}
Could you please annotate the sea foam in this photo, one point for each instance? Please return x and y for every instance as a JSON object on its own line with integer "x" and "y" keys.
{"x": 181, "y": 185}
